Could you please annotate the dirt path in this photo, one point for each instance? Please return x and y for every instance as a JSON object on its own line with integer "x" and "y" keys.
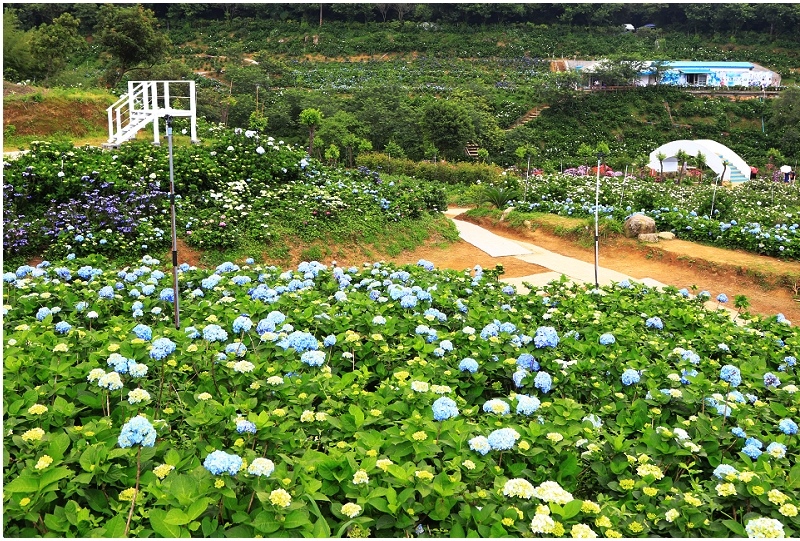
{"x": 677, "y": 263}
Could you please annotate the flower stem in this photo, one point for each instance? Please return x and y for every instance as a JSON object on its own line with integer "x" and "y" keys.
{"x": 136, "y": 490}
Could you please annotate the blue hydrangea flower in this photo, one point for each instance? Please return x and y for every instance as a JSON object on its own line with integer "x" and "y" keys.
{"x": 245, "y": 427}
{"x": 161, "y": 348}
{"x": 790, "y": 361}
{"x": 738, "y": 432}
{"x": 518, "y": 376}
{"x": 379, "y": 320}
{"x": 214, "y": 333}
{"x": 480, "y": 444}
{"x": 148, "y": 289}
{"x": 192, "y": 332}
{"x": 654, "y": 323}
{"x": 508, "y": 290}
{"x": 468, "y": 364}
{"x": 143, "y": 331}
{"x": 527, "y": 405}
{"x": 237, "y": 348}
{"x": 120, "y": 364}
{"x": 683, "y": 292}
{"x": 167, "y": 294}
{"x": 137, "y": 370}
{"x": 771, "y": 380}
{"x": 299, "y": 341}
{"x": 503, "y": 439}
{"x": 444, "y": 408}
{"x": 607, "y": 339}
{"x": 210, "y": 282}
{"x": 751, "y": 451}
{"x": 10, "y": 277}
{"x": 242, "y": 324}
{"x": 528, "y": 362}
{"x": 545, "y": 337}
{"x": 731, "y": 374}
{"x": 787, "y": 426}
{"x": 776, "y": 450}
{"x": 594, "y": 419}
{"x": 489, "y": 330}
{"x": 137, "y": 431}
{"x": 427, "y": 265}
{"x": 630, "y": 377}
{"x": 106, "y": 292}
{"x": 496, "y": 406}
{"x": 313, "y": 358}
{"x": 508, "y": 327}
{"x": 219, "y": 462}
{"x": 722, "y": 297}
{"x": 543, "y": 382}
{"x": 446, "y": 345}
{"x": 329, "y": 341}
{"x": 724, "y": 470}
{"x": 241, "y": 280}
{"x": 408, "y": 301}
{"x": 62, "y": 327}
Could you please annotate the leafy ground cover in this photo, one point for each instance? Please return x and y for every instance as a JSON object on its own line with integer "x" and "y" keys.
{"x": 239, "y": 190}
{"x": 390, "y": 401}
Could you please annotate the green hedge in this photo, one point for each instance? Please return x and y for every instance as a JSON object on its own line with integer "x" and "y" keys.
{"x": 448, "y": 173}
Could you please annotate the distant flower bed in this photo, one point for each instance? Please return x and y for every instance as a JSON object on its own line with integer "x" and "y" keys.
{"x": 759, "y": 216}
{"x": 388, "y": 401}
{"x": 59, "y": 200}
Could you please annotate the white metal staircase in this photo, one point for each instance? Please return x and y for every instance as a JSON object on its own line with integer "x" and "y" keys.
{"x": 149, "y": 101}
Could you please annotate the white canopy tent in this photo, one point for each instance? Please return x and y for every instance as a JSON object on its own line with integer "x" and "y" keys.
{"x": 714, "y": 152}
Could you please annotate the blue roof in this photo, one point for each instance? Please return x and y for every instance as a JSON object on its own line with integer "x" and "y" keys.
{"x": 680, "y": 65}
{"x": 695, "y": 70}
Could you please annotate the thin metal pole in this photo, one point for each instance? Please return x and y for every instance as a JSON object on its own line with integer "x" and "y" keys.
{"x": 168, "y": 119}
{"x": 596, "y": 227}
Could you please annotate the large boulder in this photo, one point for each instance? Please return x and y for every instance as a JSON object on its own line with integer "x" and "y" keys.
{"x": 639, "y": 224}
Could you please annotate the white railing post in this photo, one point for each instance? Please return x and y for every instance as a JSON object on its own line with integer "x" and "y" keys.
{"x": 110, "y": 124}
{"x": 166, "y": 95}
{"x": 193, "y": 109}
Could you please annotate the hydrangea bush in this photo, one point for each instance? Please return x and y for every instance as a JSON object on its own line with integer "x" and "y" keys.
{"x": 282, "y": 408}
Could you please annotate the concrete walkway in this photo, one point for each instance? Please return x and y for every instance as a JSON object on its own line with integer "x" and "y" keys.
{"x": 575, "y": 270}
{"x": 496, "y": 246}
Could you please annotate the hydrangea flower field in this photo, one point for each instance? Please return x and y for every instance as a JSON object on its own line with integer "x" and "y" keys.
{"x": 758, "y": 216}
{"x": 388, "y": 401}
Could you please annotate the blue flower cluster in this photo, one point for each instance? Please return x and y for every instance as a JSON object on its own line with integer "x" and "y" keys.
{"x": 468, "y": 364}
{"x": 299, "y": 341}
{"x": 630, "y": 377}
{"x": 271, "y": 322}
{"x": 543, "y": 382}
{"x": 545, "y": 337}
{"x": 480, "y": 444}
{"x": 724, "y": 470}
{"x": 722, "y": 297}
{"x": 496, "y": 406}
{"x": 62, "y": 327}
{"x": 528, "y": 362}
{"x": 106, "y": 292}
{"x": 242, "y": 324}
{"x": 527, "y": 405}
{"x": 219, "y": 462}
{"x": 137, "y": 431}
{"x": 161, "y": 348}
{"x": 313, "y": 358}
{"x": 427, "y": 265}
{"x": 787, "y": 426}
{"x": 143, "y": 331}
{"x": 503, "y": 439}
{"x": 167, "y": 294}
{"x": 606, "y": 339}
{"x": 245, "y": 427}
{"x": 731, "y": 374}
{"x": 654, "y": 323}
{"x": 236, "y": 348}
{"x": 771, "y": 380}
{"x": 214, "y": 333}
{"x": 120, "y": 364}
{"x": 444, "y": 408}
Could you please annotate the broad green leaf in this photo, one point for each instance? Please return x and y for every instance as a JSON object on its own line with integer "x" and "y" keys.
{"x": 183, "y": 489}
{"x": 161, "y": 527}
{"x": 49, "y": 479}
{"x": 25, "y": 483}
{"x": 115, "y": 527}
{"x": 177, "y": 517}
{"x": 295, "y": 519}
{"x": 358, "y": 415}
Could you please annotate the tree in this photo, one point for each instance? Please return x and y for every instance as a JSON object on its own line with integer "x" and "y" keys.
{"x": 51, "y": 44}
{"x": 785, "y": 119}
{"x": 661, "y": 157}
{"x": 131, "y": 36}
{"x": 700, "y": 163}
{"x": 311, "y": 119}
{"x": 683, "y": 157}
{"x": 448, "y": 126}
{"x": 17, "y": 58}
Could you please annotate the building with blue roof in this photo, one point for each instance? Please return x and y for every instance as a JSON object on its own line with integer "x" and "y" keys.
{"x": 690, "y": 73}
